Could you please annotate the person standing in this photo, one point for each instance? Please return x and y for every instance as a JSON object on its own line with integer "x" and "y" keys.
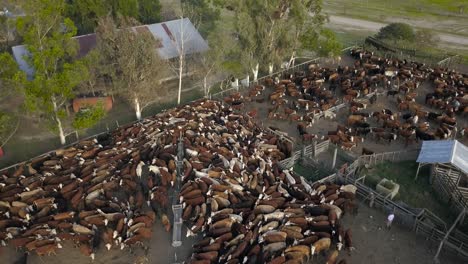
{"x": 371, "y": 200}
{"x": 390, "y": 219}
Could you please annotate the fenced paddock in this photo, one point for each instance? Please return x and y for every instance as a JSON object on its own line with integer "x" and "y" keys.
{"x": 421, "y": 221}
{"x": 452, "y": 194}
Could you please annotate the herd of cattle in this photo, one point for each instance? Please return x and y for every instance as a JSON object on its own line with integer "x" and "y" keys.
{"x": 303, "y": 95}
{"x": 107, "y": 192}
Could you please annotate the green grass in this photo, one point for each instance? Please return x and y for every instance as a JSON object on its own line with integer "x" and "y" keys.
{"x": 417, "y": 194}
{"x": 419, "y": 10}
{"x": 17, "y": 149}
{"x": 404, "y": 7}
{"x": 310, "y": 173}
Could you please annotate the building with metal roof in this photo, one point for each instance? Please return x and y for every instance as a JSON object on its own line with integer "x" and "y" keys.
{"x": 445, "y": 151}
{"x": 171, "y": 35}
{"x": 449, "y": 170}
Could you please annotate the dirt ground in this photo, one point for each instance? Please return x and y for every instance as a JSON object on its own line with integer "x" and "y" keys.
{"x": 374, "y": 245}
{"x": 160, "y": 251}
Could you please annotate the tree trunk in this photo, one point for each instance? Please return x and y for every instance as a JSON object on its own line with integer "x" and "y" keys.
{"x": 255, "y": 72}
{"x": 137, "y": 109}
{"x": 270, "y": 69}
{"x": 181, "y": 69}
{"x": 59, "y": 123}
{"x": 181, "y": 59}
{"x": 61, "y": 133}
{"x": 235, "y": 83}
{"x": 205, "y": 86}
{"x": 292, "y": 60}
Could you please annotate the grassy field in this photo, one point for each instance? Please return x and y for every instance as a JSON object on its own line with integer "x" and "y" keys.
{"x": 417, "y": 194}
{"x": 439, "y": 15}
{"x": 410, "y": 8}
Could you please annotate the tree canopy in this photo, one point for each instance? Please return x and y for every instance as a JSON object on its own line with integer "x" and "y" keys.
{"x": 397, "y": 31}
{"x": 202, "y": 13}
{"x": 133, "y": 65}
{"x": 9, "y": 73}
{"x": 268, "y": 31}
{"x": 48, "y": 38}
{"x": 86, "y": 13}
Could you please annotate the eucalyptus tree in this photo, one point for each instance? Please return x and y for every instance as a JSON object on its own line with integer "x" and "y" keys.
{"x": 48, "y": 36}
{"x": 306, "y": 22}
{"x": 133, "y": 64}
{"x": 86, "y": 13}
{"x": 9, "y": 74}
{"x": 203, "y": 14}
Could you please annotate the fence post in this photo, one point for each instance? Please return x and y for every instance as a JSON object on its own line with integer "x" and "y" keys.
{"x": 334, "y": 157}
{"x": 303, "y": 153}
{"x": 315, "y": 149}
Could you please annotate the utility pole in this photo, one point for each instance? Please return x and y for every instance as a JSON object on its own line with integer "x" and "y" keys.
{"x": 176, "y": 207}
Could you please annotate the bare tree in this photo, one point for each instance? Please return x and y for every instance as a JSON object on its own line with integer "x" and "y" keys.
{"x": 134, "y": 64}
{"x": 180, "y": 40}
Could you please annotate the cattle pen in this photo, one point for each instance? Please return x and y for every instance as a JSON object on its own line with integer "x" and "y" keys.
{"x": 421, "y": 221}
{"x": 344, "y": 168}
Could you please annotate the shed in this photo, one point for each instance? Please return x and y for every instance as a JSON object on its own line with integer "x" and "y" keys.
{"x": 449, "y": 174}
{"x": 168, "y": 33}
{"x": 445, "y": 152}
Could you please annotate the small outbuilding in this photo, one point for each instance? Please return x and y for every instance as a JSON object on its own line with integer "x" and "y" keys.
{"x": 449, "y": 171}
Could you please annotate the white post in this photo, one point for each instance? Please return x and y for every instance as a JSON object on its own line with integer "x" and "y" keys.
{"x": 255, "y": 72}
{"x": 137, "y": 108}
{"x": 59, "y": 122}
{"x": 235, "y": 83}
{"x": 334, "y": 157}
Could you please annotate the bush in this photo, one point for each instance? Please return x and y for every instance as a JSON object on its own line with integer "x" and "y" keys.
{"x": 88, "y": 117}
{"x": 397, "y": 31}
{"x": 7, "y": 125}
{"x": 426, "y": 37}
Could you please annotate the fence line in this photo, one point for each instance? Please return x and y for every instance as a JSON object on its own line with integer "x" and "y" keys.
{"x": 448, "y": 188}
{"x": 394, "y": 156}
{"x": 216, "y": 95}
{"x": 419, "y": 220}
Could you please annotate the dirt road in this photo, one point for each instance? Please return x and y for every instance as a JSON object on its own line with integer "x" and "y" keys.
{"x": 346, "y": 23}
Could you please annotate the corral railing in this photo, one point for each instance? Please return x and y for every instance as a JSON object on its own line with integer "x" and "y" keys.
{"x": 308, "y": 151}
{"x": 456, "y": 242}
{"x": 420, "y": 220}
{"x": 374, "y": 159}
{"x": 441, "y": 181}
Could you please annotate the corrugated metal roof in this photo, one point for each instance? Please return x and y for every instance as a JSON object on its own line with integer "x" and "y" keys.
{"x": 445, "y": 151}
{"x": 86, "y": 44}
{"x": 168, "y": 33}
